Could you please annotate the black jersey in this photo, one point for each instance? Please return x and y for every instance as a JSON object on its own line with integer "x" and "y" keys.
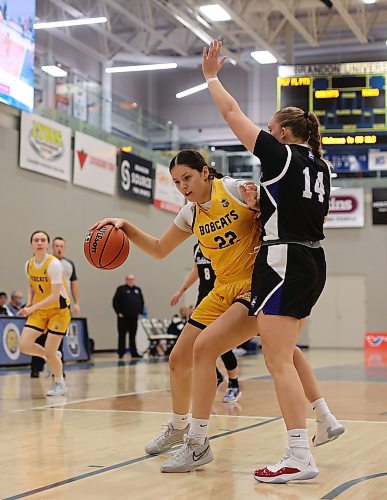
{"x": 206, "y": 273}
{"x": 294, "y": 190}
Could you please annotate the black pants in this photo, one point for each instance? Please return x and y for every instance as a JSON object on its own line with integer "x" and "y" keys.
{"x": 37, "y": 362}
{"x": 125, "y": 325}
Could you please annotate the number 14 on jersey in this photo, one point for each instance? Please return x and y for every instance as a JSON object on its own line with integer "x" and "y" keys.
{"x": 318, "y": 186}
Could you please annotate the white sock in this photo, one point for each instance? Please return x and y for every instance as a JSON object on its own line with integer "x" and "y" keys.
{"x": 198, "y": 430}
{"x": 320, "y": 408}
{"x": 59, "y": 380}
{"x": 180, "y": 422}
{"x": 298, "y": 443}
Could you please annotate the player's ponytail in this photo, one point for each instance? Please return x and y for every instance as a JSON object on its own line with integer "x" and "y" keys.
{"x": 195, "y": 160}
{"x": 304, "y": 125}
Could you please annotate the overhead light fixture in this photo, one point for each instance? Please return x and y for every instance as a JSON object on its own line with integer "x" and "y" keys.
{"x": 192, "y": 90}
{"x": 55, "y": 71}
{"x": 70, "y": 22}
{"x": 196, "y": 31}
{"x": 369, "y": 1}
{"x": 263, "y": 56}
{"x": 215, "y": 12}
{"x": 142, "y": 67}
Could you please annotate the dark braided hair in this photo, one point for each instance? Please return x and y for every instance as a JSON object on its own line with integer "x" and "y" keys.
{"x": 195, "y": 160}
{"x": 303, "y": 124}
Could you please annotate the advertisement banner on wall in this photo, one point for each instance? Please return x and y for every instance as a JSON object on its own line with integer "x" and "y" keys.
{"x": 379, "y": 206}
{"x": 136, "y": 178}
{"x": 45, "y": 146}
{"x": 94, "y": 164}
{"x": 377, "y": 160}
{"x": 166, "y": 197}
{"x": 346, "y": 208}
{"x": 75, "y": 343}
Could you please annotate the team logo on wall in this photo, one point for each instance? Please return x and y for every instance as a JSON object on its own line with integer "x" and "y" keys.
{"x": 73, "y": 340}
{"x": 46, "y": 141}
{"x": 11, "y": 337}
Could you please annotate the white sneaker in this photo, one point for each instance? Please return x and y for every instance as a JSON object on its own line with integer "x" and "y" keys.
{"x": 166, "y": 439}
{"x": 232, "y": 395}
{"x": 328, "y": 429}
{"x": 189, "y": 456}
{"x": 57, "y": 389}
{"x": 288, "y": 469}
{"x": 47, "y": 371}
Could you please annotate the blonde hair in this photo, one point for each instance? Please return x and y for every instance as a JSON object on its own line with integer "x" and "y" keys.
{"x": 303, "y": 124}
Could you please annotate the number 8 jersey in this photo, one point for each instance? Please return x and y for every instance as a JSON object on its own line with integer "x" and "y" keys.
{"x": 226, "y": 229}
{"x": 294, "y": 191}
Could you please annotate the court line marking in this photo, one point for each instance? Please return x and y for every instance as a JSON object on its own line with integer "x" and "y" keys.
{"x": 76, "y": 401}
{"x": 124, "y": 464}
{"x": 348, "y": 484}
{"x": 211, "y": 416}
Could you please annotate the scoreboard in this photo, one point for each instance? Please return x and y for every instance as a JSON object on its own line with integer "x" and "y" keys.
{"x": 343, "y": 103}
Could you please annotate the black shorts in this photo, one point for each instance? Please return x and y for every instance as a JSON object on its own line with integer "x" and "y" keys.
{"x": 287, "y": 280}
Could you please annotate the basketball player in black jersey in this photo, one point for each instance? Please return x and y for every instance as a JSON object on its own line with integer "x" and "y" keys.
{"x": 203, "y": 271}
{"x": 290, "y": 270}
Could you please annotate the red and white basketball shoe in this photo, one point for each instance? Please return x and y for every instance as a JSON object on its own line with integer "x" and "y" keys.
{"x": 288, "y": 469}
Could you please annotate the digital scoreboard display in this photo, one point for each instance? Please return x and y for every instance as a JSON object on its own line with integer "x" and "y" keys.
{"x": 343, "y": 103}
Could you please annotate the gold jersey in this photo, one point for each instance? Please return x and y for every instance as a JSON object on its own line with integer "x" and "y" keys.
{"x": 40, "y": 281}
{"x": 227, "y": 233}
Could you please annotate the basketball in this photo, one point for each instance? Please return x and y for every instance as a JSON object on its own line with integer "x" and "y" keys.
{"x": 106, "y": 247}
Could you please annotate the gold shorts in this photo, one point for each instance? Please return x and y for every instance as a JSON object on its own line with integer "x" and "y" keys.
{"x": 54, "y": 321}
{"x": 221, "y": 297}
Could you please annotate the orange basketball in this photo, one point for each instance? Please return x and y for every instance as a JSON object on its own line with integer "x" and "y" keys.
{"x": 106, "y": 247}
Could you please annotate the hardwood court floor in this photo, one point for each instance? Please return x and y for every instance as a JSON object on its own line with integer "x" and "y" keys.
{"x": 91, "y": 443}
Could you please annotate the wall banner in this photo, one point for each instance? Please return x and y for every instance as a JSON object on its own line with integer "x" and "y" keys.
{"x": 95, "y": 164}
{"x": 379, "y": 206}
{"x": 346, "y": 208}
{"x": 136, "y": 178}
{"x": 167, "y": 197}
{"x": 45, "y": 146}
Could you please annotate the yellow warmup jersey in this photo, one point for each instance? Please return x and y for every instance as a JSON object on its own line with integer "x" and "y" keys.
{"x": 40, "y": 281}
{"x": 227, "y": 234}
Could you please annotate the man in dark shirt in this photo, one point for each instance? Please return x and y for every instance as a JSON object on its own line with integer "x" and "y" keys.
{"x": 4, "y": 311}
{"x": 128, "y": 304}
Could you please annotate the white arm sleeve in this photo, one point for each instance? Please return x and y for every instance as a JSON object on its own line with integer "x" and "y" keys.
{"x": 184, "y": 218}
{"x": 55, "y": 271}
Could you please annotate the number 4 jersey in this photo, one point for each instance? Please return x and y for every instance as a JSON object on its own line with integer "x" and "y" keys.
{"x": 294, "y": 191}
{"x": 226, "y": 229}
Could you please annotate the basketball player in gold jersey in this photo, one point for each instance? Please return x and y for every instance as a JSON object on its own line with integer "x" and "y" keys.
{"x": 47, "y": 308}
{"x": 228, "y": 234}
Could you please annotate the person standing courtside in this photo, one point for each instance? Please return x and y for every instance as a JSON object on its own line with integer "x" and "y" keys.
{"x": 71, "y": 280}
{"x": 128, "y": 303}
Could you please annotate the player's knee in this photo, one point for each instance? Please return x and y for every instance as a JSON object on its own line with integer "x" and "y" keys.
{"x": 179, "y": 363}
{"x": 203, "y": 350}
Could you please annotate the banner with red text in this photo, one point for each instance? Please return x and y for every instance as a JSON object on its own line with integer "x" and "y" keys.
{"x": 95, "y": 164}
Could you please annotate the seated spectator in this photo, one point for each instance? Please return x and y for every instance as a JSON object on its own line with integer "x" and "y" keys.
{"x": 4, "y": 311}
{"x": 178, "y": 321}
{"x": 16, "y": 303}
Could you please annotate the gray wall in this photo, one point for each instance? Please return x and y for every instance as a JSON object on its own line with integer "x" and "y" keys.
{"x": 31, "y": 201}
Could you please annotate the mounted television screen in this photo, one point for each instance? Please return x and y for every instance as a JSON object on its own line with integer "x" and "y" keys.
{"x": 17, "y": 50}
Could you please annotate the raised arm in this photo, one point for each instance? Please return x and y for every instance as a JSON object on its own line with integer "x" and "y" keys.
{"x": 155, "y": 247}
{"x": 189, "y": 281}
{"x": 246, "y": 130}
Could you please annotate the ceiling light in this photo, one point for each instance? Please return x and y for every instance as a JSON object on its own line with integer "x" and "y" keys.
{"x": 215, "y": 12}
{"x": 70, "y": 22}
{"x": 263, "y": 57}
{"x": 197, "y": 31}
{"x": 142, "y": 67}
{"x": 369, "y": 1}
{"x": 192, "y": 90}
{"x": 54, "y": 70}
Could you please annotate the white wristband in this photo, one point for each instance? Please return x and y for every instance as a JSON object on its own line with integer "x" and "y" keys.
{"x": 212, "y": 79}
